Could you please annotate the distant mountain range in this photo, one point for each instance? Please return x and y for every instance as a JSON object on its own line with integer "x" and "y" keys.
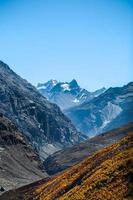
{"x": 109, "y": 110}
{"x": 46, "y": 128}
{"x": 91, "y": 112}
{"x": 65, "y": 94}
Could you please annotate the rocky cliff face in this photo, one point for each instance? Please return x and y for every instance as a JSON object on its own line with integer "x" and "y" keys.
{"x": 45, "y": 126}
{"x": 19, "y": 163}
{"x": 111, "y": 109}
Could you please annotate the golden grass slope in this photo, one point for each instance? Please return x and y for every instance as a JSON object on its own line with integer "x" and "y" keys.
{"x": 106, "y": 175}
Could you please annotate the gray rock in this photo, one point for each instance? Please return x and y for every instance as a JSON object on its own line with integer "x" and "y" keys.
{"x": 41, "y": 122}
{"x": 19, "y": 163}
{"x": 110, "y": 110}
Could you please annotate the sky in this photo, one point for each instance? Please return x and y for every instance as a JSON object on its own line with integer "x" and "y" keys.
{"x": 88, "y": 40}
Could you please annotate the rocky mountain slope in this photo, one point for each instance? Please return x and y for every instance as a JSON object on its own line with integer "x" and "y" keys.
{"x": 68, "y": 157}
{"x": 110, "y": 110}
{"x": 19, "y": 164}
{"x": 107, "y": 174}
{"x": 45, "y": 126}
{"x": 65, "y": 94}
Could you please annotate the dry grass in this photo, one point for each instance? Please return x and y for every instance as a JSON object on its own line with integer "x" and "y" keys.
{"x": 107, "y": 175}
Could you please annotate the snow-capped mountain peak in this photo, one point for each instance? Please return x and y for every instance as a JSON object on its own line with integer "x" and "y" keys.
{"x": 65, "y": 87}
{"x": 66, "y": 94}
{"x": 48, "y": 85}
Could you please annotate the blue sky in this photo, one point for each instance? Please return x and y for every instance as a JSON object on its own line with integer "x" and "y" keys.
{"x": 89, "y": 40}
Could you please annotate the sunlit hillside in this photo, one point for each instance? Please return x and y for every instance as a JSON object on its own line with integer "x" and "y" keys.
{"x": 105, "y": 175}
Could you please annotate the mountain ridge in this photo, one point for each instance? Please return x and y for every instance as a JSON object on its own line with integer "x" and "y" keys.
{"x": 69, "y": 157}
{"x": 19, "y": 162}
{"x": 109, "y": 110}
{"x": 45, "y": 126}
{"x": 66, "y": 94}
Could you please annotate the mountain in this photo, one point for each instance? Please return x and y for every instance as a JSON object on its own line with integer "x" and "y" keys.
{"x": 19, "y": 164}
{"x": 107, "y": 174}
{"x": 46, "y": 128}
{"x": 65, "y": 94}
{"x": 68, "y": 157}
{"x": 109, "y": 110}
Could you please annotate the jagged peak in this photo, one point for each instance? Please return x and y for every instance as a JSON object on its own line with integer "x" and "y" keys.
{"x": 73, "y": 83}
{"x": 4, "y": 65}
{"x": 51, "y": 82}
{"x": 5, "y": 69}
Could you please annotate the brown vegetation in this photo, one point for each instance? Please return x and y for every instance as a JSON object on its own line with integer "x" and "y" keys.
{"x": 71, "y": 156}
{"x": 106, "y": 175}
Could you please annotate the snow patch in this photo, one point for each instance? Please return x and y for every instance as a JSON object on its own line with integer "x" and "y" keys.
{"x": 76, "y": 101}
{"x": 42, "y": 87}
{"x": 65, "y": 87}
{"x": 110, "y": 112}
{"x": 54, "y": 82}
{"x": 105, "y": 123}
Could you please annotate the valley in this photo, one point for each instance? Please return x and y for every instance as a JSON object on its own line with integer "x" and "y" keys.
{"x": 66, "y": 100}
{"x": 107, "y": 174}
{"x": 52, "y": 152}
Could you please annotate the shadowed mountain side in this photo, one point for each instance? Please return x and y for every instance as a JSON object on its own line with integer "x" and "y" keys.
{"x": 107, "y": 174}
{"x": 68, "y": 157}
{"x": 45, "y": 126}
{"x": 19, "y": 164}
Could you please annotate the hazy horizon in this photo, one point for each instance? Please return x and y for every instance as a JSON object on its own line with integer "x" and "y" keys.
{"x": 90, "y": 41}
